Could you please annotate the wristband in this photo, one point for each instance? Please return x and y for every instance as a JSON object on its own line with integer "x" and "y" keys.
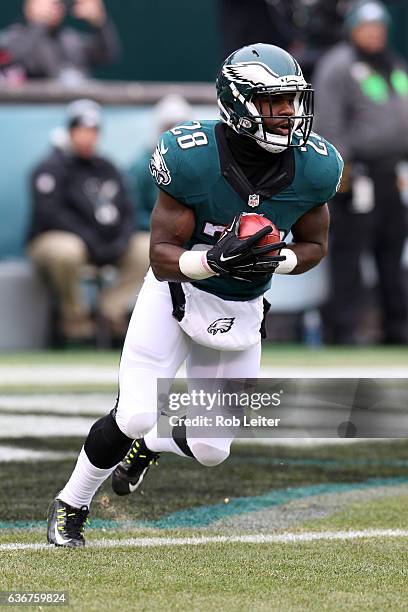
{"x": 290, "y": 263}
{"x": 194, "y": 265}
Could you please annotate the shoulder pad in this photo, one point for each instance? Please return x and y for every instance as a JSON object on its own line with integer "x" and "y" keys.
{"x": 322, "y": 167}
{"x": 179, "y": 163}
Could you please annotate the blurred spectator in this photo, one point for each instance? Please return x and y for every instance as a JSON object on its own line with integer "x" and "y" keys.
{"x": 82, "y": 215}
{"x": 321, "y": 23}
{"x": 362, "y": 107}
{"x": 168, "y": 112}
{"x": 248, "y": 21}
{"x": 48, "y": 49}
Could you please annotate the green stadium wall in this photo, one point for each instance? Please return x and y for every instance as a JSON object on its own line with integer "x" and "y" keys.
{"x": 178, "y": 41}
{"x": 161, "y": 40}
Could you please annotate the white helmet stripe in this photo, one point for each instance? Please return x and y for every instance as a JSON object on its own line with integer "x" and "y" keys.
{"x": 257, "y": 74}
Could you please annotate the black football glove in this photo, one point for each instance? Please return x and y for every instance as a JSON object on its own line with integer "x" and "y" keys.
{"x": 241, "y": 258}
{"x": 261, "y": 270}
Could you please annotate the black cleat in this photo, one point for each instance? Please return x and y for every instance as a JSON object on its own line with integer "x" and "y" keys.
{"x": 66, "y": 524}
{"x": 129, "y": 474}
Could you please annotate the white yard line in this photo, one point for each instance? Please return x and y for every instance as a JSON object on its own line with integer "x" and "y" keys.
{"x": 305, "y": 442}
{"x": 41, "y": 426}
{"x": 335, "y": 372}
{"x": 284, "y": 538}
{"x": 50, "y": 415}
{"x": 58, "y": 374}
{"x": 91, "y": 374}
{"x": 12, "y": 453}
{"x": 71, "y": 403}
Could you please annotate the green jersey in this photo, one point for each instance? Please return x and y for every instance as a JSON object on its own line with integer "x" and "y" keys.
{"x": 194, "y": 164}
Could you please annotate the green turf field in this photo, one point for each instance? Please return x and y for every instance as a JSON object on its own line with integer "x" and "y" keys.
{"x": 321, "y": 527}
{"x": 260, "y": 490}
{"x": 356, "y": 575}
{"x": 272, "y": 354}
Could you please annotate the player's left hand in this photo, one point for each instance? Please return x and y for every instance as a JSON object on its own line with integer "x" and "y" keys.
{"x": 261, "y": 269}
{"x": 92, "y": 11}
{"x": 242, "y": 258}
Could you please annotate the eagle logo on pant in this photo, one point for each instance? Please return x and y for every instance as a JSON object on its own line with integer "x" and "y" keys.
{"x": 222, "y": 325}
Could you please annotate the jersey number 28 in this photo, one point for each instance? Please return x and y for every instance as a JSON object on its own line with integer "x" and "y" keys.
{"x": 194, "y": 139}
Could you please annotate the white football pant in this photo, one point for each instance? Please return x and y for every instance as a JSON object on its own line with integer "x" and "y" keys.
{"x": 155, "y": 347}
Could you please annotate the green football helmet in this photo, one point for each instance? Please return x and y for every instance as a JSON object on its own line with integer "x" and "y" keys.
{"x": 267, "y": 71}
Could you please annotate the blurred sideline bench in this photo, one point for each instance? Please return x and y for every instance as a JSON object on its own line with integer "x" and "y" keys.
{"x": 24, "y": 307}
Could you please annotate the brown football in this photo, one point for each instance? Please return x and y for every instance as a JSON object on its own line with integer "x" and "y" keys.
{"x": 252, "y": 223}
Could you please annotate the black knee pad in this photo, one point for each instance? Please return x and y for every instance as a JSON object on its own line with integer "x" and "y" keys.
{"x": 106, "y": 445}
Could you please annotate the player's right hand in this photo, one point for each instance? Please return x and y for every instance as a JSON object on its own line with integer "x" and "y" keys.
{"x": 232, "y": 254}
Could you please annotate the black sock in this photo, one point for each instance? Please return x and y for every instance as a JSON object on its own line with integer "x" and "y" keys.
{"x": 106, "y": 445}
{"x": 179, "y": 436}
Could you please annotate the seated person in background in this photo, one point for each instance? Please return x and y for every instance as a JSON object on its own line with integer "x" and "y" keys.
{"x": 82, "y": 215}
{"x": 168, "y": 112}
{"x": 47, "y": 49}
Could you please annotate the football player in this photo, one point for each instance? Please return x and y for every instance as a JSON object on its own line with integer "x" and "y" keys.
{"x": 261, "y": 157}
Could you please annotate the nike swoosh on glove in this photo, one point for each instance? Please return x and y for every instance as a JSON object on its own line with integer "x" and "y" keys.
{"x": 240, "y": 257}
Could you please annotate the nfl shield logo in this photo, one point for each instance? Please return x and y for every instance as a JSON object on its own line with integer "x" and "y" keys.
{"x": 253, "y": 200}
